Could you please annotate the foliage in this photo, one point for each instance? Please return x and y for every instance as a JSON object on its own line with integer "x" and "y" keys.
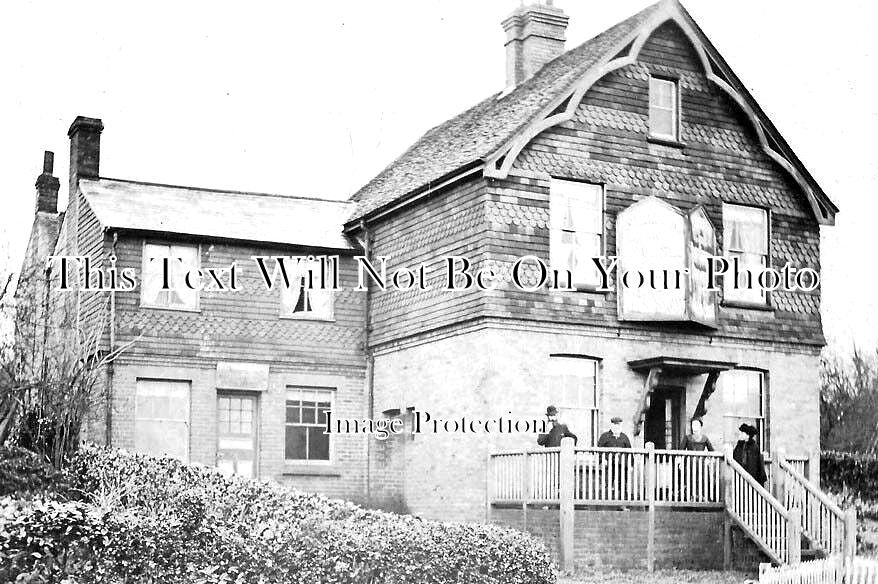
{"x": 24, "y": 473}
{"x": 846, "y": 472}
{"x": 157, "y": 520}
{"x": 849, "y": 403}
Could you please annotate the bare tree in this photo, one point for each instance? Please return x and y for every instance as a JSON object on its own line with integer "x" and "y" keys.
{"x": 52, "y": 373}
{"x": 849, "y": 403}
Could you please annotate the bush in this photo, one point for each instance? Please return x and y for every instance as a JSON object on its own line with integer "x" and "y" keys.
{"x": 158, "y": 520}
{"x": 24, "y": 473}
{"x": 845, "y": 472}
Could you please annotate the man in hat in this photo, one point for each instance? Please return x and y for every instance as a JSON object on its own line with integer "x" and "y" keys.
{"x": 614, "y": 437}
{"x": 557, "y": 431}
{"x": 748, "y": 454}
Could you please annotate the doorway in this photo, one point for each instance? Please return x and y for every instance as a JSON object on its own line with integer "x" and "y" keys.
{"x": 236, "y": 448}
{"x": 663, "y": 425}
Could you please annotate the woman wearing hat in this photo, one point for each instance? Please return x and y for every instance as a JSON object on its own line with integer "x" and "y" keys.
{"x": 748, "y": 454}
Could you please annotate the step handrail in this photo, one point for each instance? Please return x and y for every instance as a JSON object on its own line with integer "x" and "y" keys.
{"x": 809, "y": 486}
{"x": 827, "y": 532}
{"x": 779, "y": 549}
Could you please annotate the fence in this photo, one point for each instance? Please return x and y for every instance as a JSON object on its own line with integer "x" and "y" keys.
{"x": 832, "y": 570}
{"x": 609, "y": 476}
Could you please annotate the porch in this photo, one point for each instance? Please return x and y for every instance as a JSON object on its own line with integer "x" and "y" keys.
{"x": 645, "y": 495}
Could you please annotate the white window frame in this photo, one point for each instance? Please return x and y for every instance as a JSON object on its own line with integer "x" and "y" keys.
{"x": 286, "y": 311}
{"x": 674, "y": 109}
{"x": 146, "y": 265}
{"x": 739, "y": 297}
{"x": 331, "y": 392}
{"x": 186, "y": 419}
{"x": 566, "y": 409}
{"x": 560, "y": 189}
{"x": 761, "y": 419}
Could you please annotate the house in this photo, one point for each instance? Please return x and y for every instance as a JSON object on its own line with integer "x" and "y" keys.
{"x": 640, "y": 143}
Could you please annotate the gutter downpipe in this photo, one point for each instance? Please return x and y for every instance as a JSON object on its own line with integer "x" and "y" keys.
{"x": 370, "y": 361}
{"x": 108, "y": 423}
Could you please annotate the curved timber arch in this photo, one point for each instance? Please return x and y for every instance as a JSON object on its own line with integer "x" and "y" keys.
{"x": 500, "y": 163}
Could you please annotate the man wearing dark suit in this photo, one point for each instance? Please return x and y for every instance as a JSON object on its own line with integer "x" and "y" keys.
{"x": 614, "y": 437}
{"x": 557, "y": 432}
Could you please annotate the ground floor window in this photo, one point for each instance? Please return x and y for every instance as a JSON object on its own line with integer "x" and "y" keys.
{"x": 236, "y": 431}
{"x": 744, "y": 398}
{"x": 573, "y": 385}
{"x": 161, "y": 418}
{"x": 306, "y": 409}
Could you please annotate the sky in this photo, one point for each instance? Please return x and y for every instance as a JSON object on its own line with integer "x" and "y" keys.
{"x": 315, "y": 98}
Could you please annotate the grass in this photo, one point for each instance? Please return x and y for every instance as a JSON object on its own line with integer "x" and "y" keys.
{"x": 658, "y": 577}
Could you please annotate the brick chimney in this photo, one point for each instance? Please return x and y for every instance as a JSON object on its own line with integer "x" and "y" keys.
{"x": 534, "y": 36}
{"x": 85, "y": 158}
{"x": 47, "y": 186}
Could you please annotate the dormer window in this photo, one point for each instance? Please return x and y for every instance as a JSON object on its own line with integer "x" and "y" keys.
{"x": 664, "y": 109}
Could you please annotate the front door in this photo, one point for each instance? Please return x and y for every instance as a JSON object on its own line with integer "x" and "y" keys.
{"x": 236, "y": 421}
{"x": 663, "y": 425}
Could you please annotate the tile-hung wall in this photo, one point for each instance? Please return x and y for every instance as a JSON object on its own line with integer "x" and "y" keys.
{"x": 494, "y": 351}
{"x": 241, "y": 380}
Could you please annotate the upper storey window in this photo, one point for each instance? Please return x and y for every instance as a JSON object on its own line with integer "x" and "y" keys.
{"x": 180, "y": 260}
{"x": 307, "y": 298}
{"x": 745, "y": 238}
{"x": 576, "y": 231}
{"x": 664, "y": 109}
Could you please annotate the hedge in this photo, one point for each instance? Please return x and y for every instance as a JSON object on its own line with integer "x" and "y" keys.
{"x": 846, "y": 472}
{"x": 144, "y": 519}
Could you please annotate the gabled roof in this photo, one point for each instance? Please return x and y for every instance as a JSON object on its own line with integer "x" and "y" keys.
{"x": 503, "y": 123}
{"x": 252, "y": 217}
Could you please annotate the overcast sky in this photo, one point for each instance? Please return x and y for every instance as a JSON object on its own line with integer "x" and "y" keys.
{"x": 314, "y": 98}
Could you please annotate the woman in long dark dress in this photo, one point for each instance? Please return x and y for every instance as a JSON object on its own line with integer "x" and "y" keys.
{"x": 748, "y": 454}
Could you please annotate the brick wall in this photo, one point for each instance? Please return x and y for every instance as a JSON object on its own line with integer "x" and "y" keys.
{"x": 499, "y": 370}
{"x": 613, "y": 538}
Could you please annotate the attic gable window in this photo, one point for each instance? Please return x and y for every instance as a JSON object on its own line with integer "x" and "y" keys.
{"x": 664, "y": 109}
{"x": 305, "y": 299}
{"x": 576, "y": 220}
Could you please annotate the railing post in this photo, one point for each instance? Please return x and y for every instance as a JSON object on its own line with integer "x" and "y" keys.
{"x": 650, "y": 500}
{"x": 565, "y": 504}
{"x": 814, "y": 467}
{"x": 489, "y": 487}
{"x": 777, "y": 476}
{"x": 727, "y": 499}
{"x": 526, "y": 488}
{"x": 850, "y": 535}
{"x": 794, "y": 536}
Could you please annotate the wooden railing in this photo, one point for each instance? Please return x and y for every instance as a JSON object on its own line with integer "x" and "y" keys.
{"x": 773, "y": 528}
{"x": 823, "y": 522}
{"x": 608, "y": 476}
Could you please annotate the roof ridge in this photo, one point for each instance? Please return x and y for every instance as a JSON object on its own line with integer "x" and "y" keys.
{"x": 218, "y": 191}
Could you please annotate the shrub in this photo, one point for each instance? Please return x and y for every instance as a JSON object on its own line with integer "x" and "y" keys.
{"x": 158, "y": 520}
{"x": 846, "y": 472}
{"x": 24, "y": 473}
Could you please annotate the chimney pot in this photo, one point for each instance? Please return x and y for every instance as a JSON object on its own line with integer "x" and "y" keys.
{"x": 534, "y": 36}
{"x": 48, "y": 162}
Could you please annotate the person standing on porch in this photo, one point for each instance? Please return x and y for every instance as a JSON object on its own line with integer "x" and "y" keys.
{"x": 748, "y": 454}
{"x": 614, "y": 437}
{"x": 557, "y": 432}
{"x": 696, "y": 441}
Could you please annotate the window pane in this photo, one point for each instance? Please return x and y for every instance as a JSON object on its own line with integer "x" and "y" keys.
{"x": 293, "y": 413}
{"x": 661, "y": 93}
{"x": 661, "y": 122}
{"x": 309, "y": 413}
{"x": 318, "y": 444}
{"x": 295, "y": 447}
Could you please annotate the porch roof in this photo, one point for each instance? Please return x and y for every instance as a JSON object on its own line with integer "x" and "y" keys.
{"x": 681, "y": 364}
